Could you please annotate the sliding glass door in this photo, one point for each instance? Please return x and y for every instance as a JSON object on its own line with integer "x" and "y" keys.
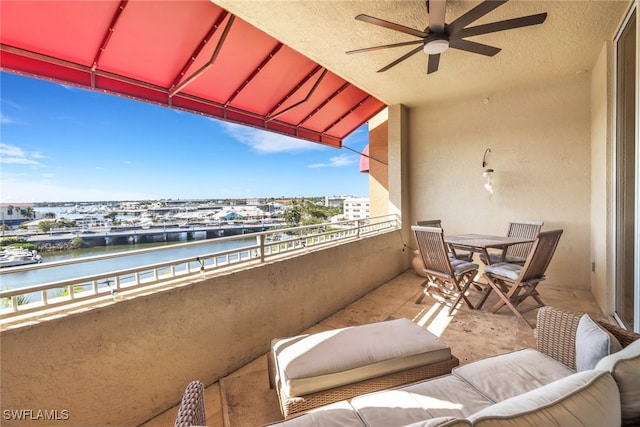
{"x": 627, "y": 173}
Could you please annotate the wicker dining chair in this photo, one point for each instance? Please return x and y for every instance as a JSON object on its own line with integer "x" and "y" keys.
{"x": 452, "y": 277}
{"x": 191, "y": 411}
{"x": 517, "y": 254}
{"x": 514, "y": 283}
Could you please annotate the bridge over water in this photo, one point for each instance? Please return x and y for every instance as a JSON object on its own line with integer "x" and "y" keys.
{"x": 150, "y": 235}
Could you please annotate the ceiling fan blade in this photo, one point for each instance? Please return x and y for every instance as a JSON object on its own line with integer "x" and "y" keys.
{"x": 391, "y": 26}
{"x": 473, "y": 47}
{"x": 436, "y": 10}
{"x": 434, "y": 61}
{"x": 474, "y": 14}
{"x": 386, "y": 46}
{"x": 508, "y": 24}
{"x": 402, "y": 58}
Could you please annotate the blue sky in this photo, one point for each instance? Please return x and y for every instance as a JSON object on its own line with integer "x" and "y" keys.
{"x": 59, "y": 143}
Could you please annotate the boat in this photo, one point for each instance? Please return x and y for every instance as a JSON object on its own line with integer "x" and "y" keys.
{"x": 13, "y": 257}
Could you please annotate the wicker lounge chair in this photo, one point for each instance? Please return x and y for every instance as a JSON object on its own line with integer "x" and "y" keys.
{"x": 191, "y": 411}
{"x": 317, "y": 369}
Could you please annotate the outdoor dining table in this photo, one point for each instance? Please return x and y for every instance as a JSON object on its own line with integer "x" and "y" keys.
{"x": 483, "y": 242}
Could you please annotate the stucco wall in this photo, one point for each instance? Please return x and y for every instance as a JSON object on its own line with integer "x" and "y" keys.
{"x": 128, "y": 361}
{"x": 540, "y": 150}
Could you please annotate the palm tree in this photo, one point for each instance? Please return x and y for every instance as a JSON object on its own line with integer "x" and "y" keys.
{"x": 29, "y": 212}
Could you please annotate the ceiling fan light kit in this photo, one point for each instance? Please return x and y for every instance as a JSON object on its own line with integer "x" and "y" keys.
{"x": 440, "y": 36}
{"x": 437, "y": 46}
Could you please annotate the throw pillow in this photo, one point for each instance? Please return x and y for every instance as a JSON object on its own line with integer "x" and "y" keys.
{"x": 593, "y": 342}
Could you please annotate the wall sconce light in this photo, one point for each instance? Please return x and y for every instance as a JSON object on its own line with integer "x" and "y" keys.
{"x": 484, "y": 158}
{"x": 488, "y": 173}
{"x": 488, "y": 180}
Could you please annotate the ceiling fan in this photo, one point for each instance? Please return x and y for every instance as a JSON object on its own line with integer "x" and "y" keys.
{"x": 440, "y": 36}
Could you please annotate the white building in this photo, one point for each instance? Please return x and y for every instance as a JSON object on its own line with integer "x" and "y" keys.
{"x": 335, "y": 201}
{"x": 14, "y": 214}
{"x": 355, "y": 208}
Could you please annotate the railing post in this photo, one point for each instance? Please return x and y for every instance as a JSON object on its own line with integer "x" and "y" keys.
{"x": 261, "y": 239}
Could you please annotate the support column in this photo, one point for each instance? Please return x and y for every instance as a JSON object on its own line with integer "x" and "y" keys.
{"x": 389, "y": 168}
{"x": 399, "y": 167}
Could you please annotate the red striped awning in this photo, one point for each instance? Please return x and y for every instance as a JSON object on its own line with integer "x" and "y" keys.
{"x": 188, "y": 55}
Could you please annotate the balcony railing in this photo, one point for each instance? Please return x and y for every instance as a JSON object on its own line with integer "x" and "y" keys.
{"x": 38, "y": 299}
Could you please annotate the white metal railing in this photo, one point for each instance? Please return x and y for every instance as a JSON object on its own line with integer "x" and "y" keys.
{"x": 269, "y": 244}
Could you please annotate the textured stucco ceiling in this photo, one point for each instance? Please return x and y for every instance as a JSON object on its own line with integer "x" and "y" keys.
{"x": 568, "y": 42}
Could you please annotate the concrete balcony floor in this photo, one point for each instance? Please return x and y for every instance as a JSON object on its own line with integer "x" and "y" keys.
{"x": 243, "y": 399}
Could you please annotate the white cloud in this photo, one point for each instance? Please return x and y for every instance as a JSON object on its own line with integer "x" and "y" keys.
{"x": 336, "y": 162}
{"x": 5, "y": 120}
{"x": 267, "y": 142}
{"x": 11, "y": 154}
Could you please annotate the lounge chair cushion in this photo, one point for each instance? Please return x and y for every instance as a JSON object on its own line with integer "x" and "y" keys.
{"x": 339, "y": 414}
{"x": 442, "y": 422}
{"x": 593, "y": 342}
{"x": 321, "y": 361}
{"x": 494, "y": 376}
{"x": 625, "y": 367}
{"x": 504, "y": 269}
{"x": 420, "y": 401}
{"x": 584, "y": 398}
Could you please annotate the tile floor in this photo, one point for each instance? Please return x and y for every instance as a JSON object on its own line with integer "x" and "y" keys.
{"x": 243, "y": 399}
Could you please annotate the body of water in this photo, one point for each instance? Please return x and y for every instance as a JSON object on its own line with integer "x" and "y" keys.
{"x": 20, "y": 279}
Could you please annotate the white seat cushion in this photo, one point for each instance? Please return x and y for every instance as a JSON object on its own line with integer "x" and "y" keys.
{"x": 446, "y": 396}
{"x": 339, "y": 414}
{"x": 310, "y": 363}
{"x": 507, "y": 375}
{"x": 625, "y": 367}
{"x": 585, "y": 399}
{"x": 442, "y": 422}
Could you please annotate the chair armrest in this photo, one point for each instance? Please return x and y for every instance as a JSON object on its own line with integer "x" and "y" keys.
{"x": 556, "y": 334}
{"x": 624, "y": 337}
{"x": 192, "y": 411}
